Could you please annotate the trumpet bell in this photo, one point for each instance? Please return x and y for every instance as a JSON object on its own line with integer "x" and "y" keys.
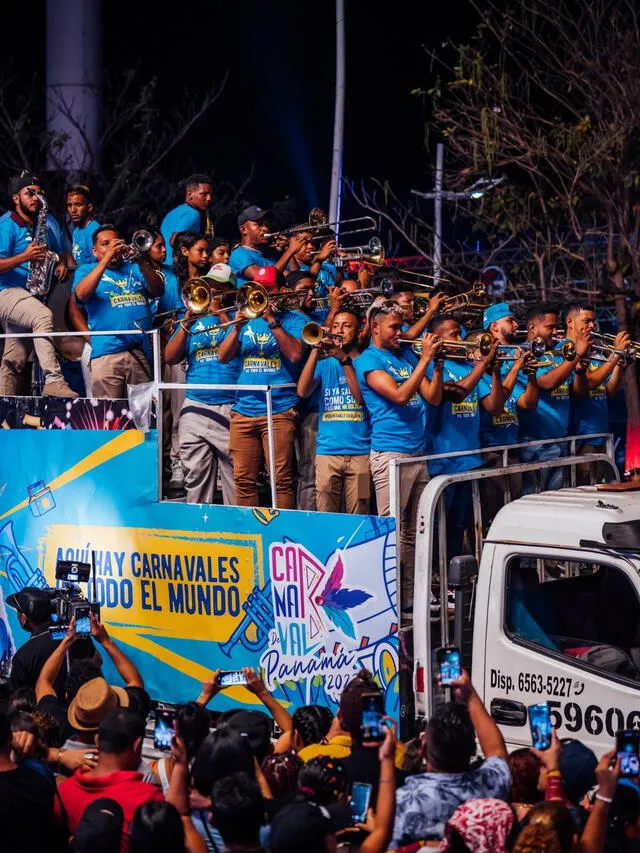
{"x": 142, "y": 240}
{"x": 312, "y": 333}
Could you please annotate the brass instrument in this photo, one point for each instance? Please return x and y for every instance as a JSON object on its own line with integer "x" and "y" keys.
{"x": 209, "y": 228}
{"x": 469, "y": 299}
{"x": 318, "y": 223}
{"x": 372, "y": 253}
{"x": 465, "y": 350}
{"x": 603, "y": 349}
{"x": 140, "y": 243}
{"x": 314, "y": 334}
{"x": 198, "y": 293}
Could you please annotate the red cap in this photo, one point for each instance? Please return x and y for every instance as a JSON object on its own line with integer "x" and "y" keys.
{"x": 269, "y": 277}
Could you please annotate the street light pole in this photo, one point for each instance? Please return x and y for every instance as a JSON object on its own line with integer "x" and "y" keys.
{"x": 338, "y": 120}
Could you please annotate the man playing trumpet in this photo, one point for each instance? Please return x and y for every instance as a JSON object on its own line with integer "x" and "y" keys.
{"x": 344, "y": 434}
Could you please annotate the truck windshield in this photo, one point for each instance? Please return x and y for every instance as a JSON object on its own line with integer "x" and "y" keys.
{"x": 585, "y": 611}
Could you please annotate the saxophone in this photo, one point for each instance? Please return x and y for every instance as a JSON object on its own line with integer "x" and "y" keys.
{"x": 41, "y": 272}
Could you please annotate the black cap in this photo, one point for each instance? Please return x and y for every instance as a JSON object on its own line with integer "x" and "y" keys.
{"x": 251, "y": 214}
{"x": 24, "y": 179}
{"x": 296, "y": 276}
{"x": 33, "y": 602}
{"x": 100, "y": 828}
{"x": 254, "y": 725}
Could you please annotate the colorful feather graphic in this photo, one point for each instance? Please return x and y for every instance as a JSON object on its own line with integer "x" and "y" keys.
{"x": 336, "y": 600}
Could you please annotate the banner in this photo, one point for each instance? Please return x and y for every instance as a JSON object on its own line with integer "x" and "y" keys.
{"x": 310, "y": 598}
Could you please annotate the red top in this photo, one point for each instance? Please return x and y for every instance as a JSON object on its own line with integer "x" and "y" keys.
{"x": 125, "y": 787}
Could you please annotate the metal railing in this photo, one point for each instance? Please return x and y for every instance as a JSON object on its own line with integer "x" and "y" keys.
{"x": 475, "y": 475}
{"x": 161, "y": 386}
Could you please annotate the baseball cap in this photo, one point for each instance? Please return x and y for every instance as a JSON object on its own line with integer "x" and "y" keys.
{"x": 254, "y": 725}
{"x": 100, "y": 827}
{"x": 300, "y": 826}
{"x": 578, "y": 768}
{"x": 91, "y": 703}
{"x": 295, "y": 276}
{"x": 495, "y": 312}
{"x": 19, "y": 182}
{"x": 253, "y": 213}
{"x": 33, "y": 602}
{"x": 270, "y": 277}
{"x": 222, "y": 273}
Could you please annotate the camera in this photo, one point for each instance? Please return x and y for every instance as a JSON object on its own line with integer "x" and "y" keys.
{"x": 68, "y": 600}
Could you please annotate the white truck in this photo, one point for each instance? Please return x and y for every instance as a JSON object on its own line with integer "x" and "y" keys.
{"x": 548, "y": 610}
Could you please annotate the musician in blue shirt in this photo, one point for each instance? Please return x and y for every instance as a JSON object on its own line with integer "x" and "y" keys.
{"x": 191, "y": 215}
{"x": 248, "y": 257}
{"x": 80, "y": 212}
{"x": 116, "y": 294}
{"x": 21, "y": 311}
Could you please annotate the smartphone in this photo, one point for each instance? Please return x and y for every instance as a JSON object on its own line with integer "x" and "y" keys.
{"x": 83, "y": 621}
{"x": 163, "y": 730}
{"x": 372, "y": 726}
{"x": 628, "y": 749}
{"x": 448, "y": 659}
{"x": 231, "y": 677}
{"x": 540, "y": 723}
{"x": 360, "y": 799}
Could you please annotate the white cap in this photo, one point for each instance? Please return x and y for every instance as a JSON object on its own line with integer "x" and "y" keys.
{"x": 222, "y": 273}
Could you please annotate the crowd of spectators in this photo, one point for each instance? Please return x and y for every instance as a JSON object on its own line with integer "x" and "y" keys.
{"x": 77, "y": 771}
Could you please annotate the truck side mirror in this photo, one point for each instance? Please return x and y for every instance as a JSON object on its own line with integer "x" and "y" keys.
{"x": 461, "y": 571}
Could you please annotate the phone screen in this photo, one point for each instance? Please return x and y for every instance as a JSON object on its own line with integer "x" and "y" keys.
{"x": 236, "y": 676}
{"x": 628, "y": 747}
{"x": 540, "y": 723}
{"x": 163, "y": 731}
{"x": 360, "y": 798}
{"x": 83, "y": 621}
{"x": 449, "y": 664}
{"x": 372, "y": 717}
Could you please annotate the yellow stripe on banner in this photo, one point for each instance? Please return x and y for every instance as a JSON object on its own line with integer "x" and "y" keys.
{"x": 125, "y": 440}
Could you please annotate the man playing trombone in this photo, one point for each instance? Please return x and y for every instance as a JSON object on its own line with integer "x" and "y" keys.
{"x": 344, "y": 434}
{"x": 248, "y": 257}
{"x": 604, "y": 367}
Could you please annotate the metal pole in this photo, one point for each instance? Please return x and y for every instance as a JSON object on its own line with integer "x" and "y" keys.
{"x": 437, "y": 215}
{"x": 157, "y": 378}
{"x": 338, "y": 120}
{"x": 272, "y": 451}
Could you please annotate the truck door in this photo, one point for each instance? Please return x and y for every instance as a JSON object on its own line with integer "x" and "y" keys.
{"x": 563, "y": 626}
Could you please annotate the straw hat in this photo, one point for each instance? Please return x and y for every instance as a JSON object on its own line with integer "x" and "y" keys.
{"x": 91, "y": 703}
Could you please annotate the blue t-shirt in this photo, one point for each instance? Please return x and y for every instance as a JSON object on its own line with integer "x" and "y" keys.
{"x": 591, "y": 414}
{"x": 119, "y": 300}
{"x": 264, "y": 364}
{"x": 343, "y": 426}
{"x": 14, "y": 239}
{"x": 325, "y": 279}
{"x": 181, "y": 218}
{"x": 455, "y": 426}
{"x": 496, "y": 430}
{"x": 394, "y": 428}
{"x": 82, "y": 242}
{"x": 203, "y": 366}
{"x": 242, "y": 257}
{"x": 170, "y": 299}
{"x": 551, "y": 417}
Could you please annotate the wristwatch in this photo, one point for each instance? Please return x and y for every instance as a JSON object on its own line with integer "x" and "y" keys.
{"x": 274, "y": 324}
{"x": 346, "y": 361}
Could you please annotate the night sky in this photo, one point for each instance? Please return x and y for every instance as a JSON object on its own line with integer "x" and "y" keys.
{"x": 277, "y": 107}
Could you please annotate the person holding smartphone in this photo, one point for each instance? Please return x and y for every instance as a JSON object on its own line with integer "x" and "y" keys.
{"x": 427, "y": 800}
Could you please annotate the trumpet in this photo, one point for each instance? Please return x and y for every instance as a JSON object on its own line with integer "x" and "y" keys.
{"x": 604, "y": 349}
{"x": 470, "y": 299}
{"x": 140, "y": 243}
{"x": 314, "y": 334}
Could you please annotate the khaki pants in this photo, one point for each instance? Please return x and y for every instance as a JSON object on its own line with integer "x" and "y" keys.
{"x": 249, "y": 448}
{"x": 343, "y": 479}
{"x": 204, "y": 445}
{"x": 602, "y": 472}
{"x": 413, "y": 479}
{"x": 172, "y": 402}
{"x": 21, "y": 313}
{"x": 110, "y": 374}
{"x": 306, "y": 455}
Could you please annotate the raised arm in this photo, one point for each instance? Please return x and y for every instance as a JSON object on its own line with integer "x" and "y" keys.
{"x": 126, "y": 668}
{"x": 489, "y": 736}
{"x": 378, "y": 839}
{"x": 307, "y": 382}
{"x": 256, "y": 685}
{"x": 51, "y": 668}
{"x": 385, "y": 385}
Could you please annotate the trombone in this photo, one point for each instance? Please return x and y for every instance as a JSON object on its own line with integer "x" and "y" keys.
{"x": 373, "y": 253}
{"x": 464, "y": 350}
{"x": 314, "y": 334}
{"x": 319, "y": 222}
{"x": 470, "y": 299}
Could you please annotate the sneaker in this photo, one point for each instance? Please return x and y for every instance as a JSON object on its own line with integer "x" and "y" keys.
{"x": 177, "y": 475}
{"x": 58, "y": 388}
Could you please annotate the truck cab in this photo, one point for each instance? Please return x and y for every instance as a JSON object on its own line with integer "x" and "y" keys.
{"x": 549, "y": 613}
